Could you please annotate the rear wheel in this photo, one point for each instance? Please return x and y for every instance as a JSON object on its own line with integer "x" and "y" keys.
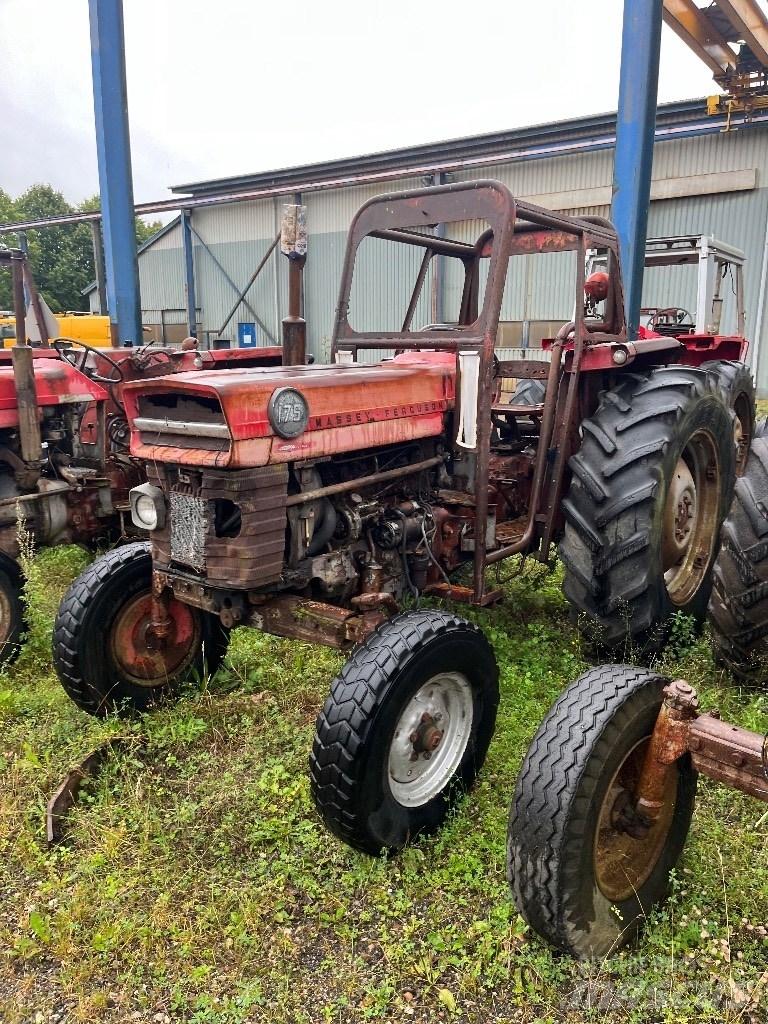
{"x": 405, "y": 730}
{"x": 103, "y": 650}
{"x": 738, "y": 390}
{"x": 738, "y": 608}
{"x": 649, "y": 490}
{"x": 583, "y": 874}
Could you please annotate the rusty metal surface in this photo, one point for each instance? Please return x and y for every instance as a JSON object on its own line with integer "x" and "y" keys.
{"x": 669, "y": 742}
{"x": 254, "y": 553}
{"x": 729, "y": 754}
{"x": 65, "y": 796}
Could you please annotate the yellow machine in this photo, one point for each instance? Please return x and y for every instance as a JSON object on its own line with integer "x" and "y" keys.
{"x": 87, "y": 327}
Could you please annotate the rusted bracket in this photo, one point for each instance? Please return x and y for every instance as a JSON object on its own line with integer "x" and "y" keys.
{"x": 65, "y": 796}
{"x": 669, "y": 741}
{"x": 729, "y": 754}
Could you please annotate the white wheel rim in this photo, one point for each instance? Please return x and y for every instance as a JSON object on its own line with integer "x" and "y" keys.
{"x": 430, "y": 739}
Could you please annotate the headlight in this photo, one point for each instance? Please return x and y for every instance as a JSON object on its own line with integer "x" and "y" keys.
{"x": 147, "y": 507}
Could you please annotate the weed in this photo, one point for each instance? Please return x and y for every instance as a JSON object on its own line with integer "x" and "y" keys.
{"x": 198, "y": 886}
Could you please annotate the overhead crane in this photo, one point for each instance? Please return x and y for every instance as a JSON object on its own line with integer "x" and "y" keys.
{"x": 731, "y": 38}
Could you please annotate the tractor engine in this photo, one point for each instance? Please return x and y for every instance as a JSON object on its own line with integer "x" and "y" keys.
{"x": 69, "y": 492}
{"x": 336, "y": 486}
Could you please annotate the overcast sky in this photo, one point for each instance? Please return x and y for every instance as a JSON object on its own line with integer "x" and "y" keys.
{"x": 232, "y": 86}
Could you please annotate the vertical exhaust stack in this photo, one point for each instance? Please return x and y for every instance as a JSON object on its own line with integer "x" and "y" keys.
{"x": 293, "y": 244}
{"x": 23, "y": 370}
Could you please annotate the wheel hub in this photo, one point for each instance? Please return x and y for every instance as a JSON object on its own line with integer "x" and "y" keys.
{"x": 144, "y": 657}
{"x": 690, "y": 518}
{"x": 430, "y": 738}
{"x": 627, "y": 848}
{"x": 427, "y": 737}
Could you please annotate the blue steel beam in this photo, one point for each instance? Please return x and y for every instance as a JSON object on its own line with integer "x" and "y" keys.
{"x": 113, "y": 149}
{"x": 189, "y": 272}
{"x": 635, "y": 126}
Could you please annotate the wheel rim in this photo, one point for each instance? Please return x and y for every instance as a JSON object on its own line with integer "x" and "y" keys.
{"x": 430, "y": 739}
{"x": 690, "y": 520}
{"x": 742, "y": 432}
{"x": 624, "y": 861}
{"x": 141, "y": 659}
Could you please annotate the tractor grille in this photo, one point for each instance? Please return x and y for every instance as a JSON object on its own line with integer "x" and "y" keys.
{"x": 189, "y": 526}
{"x": 228, "y": 526}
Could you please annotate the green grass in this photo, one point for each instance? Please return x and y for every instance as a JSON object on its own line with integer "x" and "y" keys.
{"x": 198, "y": 885}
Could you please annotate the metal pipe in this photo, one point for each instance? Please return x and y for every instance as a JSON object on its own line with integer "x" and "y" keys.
{"x": 113, "y": 150}
{"x": 22, "y": 357}
{"x": 635, "y": 132}
{"x": 19, "y": 305}
{"x": 189, "y": 273}
{"x": 98, "y": 265}
{"x": 754, "y": 353}
{"x": 363, "y": 481}
{"x": 547, "y": 425}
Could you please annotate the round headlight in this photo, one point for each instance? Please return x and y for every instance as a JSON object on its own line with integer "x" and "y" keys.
{"x": 145, "y": 512}
{"x": 288, "y": 412}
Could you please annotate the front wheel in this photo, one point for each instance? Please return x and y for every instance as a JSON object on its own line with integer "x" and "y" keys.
{"x": 578, "y": 876}
{"x": 103, "y": 651}
{"x": 405, "y": 730}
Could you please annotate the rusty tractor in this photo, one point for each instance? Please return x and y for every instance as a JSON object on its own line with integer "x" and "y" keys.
{"x": 605, "y": 797}
{"x": 65, "y": 468}
{"x": 318, "y": 502}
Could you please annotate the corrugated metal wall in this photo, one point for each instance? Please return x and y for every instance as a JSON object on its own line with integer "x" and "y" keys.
{"x": 540, "y": 287}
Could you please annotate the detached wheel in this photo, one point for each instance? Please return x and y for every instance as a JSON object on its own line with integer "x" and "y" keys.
{"x": 103, "y": 652}
{"x": 738, "y": 390}
{"x": 738, "y": 609}
{"x": 650, "y": 488}
{"x": 404, "y": 731}
{"x": 12, "y": 625}
{"x": 578, "y": 876}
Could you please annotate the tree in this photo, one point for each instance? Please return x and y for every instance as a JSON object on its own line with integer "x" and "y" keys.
{"x": 61, "y": 256}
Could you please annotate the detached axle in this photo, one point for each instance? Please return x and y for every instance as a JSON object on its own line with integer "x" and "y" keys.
{"x": 722, "y": 751}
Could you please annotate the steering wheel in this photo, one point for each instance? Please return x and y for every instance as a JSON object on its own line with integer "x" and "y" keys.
{"x": 672, "y": 316}
{"x": 63, "y": 347}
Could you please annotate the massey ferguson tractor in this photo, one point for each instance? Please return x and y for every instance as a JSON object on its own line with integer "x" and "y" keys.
{"x": 605, "y": 797}
{"x": 65, "y": 468}
{"x": 322, "y": 502}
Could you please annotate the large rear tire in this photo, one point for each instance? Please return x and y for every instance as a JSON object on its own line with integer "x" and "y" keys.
{"x": 738, "y": 608}
{"x": 578, "y": 877}
{"x": 102, "y": 651}
{"x": 405, "y": 730}
{"x": 650, "y": 488}
{"x": 738, "y": 390}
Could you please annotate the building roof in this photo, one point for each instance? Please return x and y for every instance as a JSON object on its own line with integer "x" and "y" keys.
{"x": 673, "y": 120}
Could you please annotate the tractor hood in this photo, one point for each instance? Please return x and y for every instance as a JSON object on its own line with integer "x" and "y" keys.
{"x": 241, "y": 418}
{"x": 57, "y": 383}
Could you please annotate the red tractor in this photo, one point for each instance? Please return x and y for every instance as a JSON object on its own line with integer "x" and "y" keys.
{"x": 65, "y": 468}
{"x": 605, "y": 797}
{"x": 317, "y": 502}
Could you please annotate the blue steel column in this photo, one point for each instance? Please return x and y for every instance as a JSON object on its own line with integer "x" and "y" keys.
{"x": 113, "y": 149}
{"x": 189, "y": 273}
{"x": 635, "y": 126}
